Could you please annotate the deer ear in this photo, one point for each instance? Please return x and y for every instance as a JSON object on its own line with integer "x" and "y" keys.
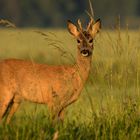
{"x": 72, "y": 28}
{"x": 95, "y": 28}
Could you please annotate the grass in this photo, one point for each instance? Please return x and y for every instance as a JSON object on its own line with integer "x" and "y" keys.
{"x": 109, "y": 107}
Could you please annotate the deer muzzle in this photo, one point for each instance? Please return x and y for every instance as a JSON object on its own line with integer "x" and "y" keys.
{"x": 86, "y": 52}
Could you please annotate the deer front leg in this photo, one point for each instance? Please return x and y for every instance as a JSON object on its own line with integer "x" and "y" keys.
{"x": 57, "y": 120}
{"x": 56, "y": 114}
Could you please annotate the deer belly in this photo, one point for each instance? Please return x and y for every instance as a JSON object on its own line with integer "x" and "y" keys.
{"x": 37, "y": 94}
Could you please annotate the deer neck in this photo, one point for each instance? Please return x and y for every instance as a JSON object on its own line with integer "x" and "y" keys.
{"x": 83, "y": 65}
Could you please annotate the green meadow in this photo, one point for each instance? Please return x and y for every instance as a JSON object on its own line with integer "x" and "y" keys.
{"x": 109, "y": 106}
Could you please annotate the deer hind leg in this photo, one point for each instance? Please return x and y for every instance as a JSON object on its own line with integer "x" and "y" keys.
{"x": 5, "y": 100}
{"x": 14, "y": 107}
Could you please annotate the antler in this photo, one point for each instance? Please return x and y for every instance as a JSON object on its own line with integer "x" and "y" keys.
{"x": 80, "y": 25}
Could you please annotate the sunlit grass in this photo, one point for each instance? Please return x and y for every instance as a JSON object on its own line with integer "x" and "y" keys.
{"x": 109, "y": 107}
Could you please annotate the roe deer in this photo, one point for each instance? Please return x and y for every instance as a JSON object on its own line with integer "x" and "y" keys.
{"x": 56, "y": 86}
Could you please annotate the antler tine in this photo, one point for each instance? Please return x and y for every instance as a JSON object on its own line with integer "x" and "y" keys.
{"x": 80, "y": 25}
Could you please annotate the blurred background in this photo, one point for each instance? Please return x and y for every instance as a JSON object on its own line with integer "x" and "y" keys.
{"x": 54, "y": 13}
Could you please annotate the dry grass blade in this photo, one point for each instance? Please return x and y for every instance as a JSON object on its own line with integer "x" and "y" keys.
{"x": 53, "y": 34}
{"x": 91, "y": 9}
{"x": 58, "y": 48}
{"x": 7, "y": 23}
{"x": 41, "y": 33}
{"x": 47, "y": 36}
{"x": 54, "y": 40}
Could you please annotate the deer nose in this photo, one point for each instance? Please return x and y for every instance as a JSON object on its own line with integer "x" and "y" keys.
{"x": 85, "y": 52}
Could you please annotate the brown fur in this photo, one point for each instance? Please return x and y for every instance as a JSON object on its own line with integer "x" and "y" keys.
{"x": 56, "y": 86}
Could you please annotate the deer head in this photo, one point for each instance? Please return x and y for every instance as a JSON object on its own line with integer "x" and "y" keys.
{"x": 85, "y": 37}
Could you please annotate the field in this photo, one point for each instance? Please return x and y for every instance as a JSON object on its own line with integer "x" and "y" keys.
{"x": 109, "y": 106}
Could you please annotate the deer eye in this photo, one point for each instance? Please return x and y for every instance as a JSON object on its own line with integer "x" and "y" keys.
{"x": 91, "y": 40}
{"x": 78, "y": 41}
